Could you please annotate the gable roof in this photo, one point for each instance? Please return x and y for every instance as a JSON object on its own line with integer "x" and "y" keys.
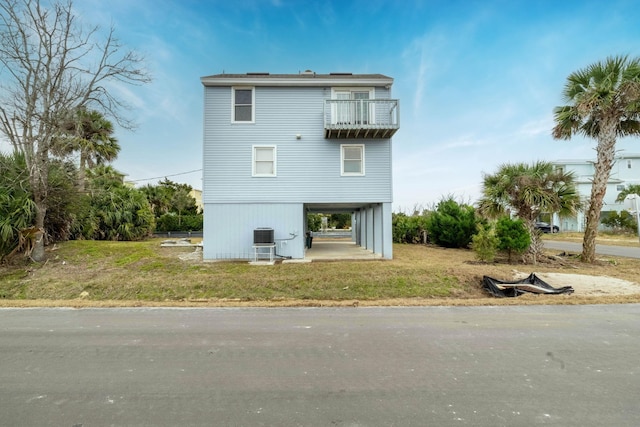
{"x": 306, "y": 78}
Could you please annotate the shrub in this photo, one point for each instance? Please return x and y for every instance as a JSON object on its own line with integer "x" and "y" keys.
{"x": 119, "y": 213}
{"x": 622, "y": 222}
{"x": 314, "y": 221}
{"x": 485, "y": 244}
{"x": 340, "y": 221}
{"x": 512, "y": 236}
{"x": 408, "y": 229}
{"x": 452, "y": 225}
{"x": 172, "y": 222}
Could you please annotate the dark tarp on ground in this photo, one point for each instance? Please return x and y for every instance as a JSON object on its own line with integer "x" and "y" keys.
{"x": 530, "y": 285}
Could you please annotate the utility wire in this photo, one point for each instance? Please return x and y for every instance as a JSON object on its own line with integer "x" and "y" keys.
{"x": 164, "y": 176}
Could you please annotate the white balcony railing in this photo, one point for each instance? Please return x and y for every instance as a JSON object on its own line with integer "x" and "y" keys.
{"x": 361, "y": 118}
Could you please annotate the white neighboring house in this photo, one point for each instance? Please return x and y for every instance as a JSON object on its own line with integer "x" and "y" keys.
{"x": 280, "y": 146}
{"x": 625, "y": 172}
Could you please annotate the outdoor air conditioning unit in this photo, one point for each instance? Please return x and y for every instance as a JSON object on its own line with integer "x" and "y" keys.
{"x": 263, "y": 236}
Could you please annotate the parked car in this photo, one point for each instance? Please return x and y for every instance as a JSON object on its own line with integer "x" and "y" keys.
{"x": 546, "y": 228}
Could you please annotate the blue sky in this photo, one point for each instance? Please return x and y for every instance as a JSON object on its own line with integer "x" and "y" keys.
{"x": 477, "y": 80}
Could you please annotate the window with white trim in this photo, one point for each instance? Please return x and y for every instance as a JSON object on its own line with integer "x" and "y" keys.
{"x": 352, "y": 159}
{"x": 264, "y": 160}
{"x": 243, "y": 103}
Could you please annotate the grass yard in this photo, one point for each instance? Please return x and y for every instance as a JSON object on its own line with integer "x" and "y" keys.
{"x": 98, "y": 273}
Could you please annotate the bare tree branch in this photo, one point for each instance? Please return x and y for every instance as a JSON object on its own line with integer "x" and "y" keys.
{"x": 51, "y": 64}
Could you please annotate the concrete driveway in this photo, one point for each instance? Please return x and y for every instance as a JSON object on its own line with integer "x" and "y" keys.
{"x": 337, "y": 249}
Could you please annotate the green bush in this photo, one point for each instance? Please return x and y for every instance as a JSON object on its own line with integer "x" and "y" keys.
{"x": 622, "y": 222}
{"x": 408, "y": 229}
{"x": 173, "y": 222}
{"x": 17, "y": 208}
{"x": 119, "y": 213}
{"x": 314, "y": 221}
{"x": 485, "y": 244}
{"x": 452, "y": 225}
{"x": 340, "y": 221}
{"x": 513, "y": 236}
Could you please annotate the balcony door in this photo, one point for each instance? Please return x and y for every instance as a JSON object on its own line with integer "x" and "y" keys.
{"x": 353, "y": 107}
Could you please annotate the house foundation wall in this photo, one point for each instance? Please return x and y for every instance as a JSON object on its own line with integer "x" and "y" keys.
{"x": 228, "y": 229}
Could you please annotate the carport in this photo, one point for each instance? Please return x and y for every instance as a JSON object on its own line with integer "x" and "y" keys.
{"x": 370, "y": 237}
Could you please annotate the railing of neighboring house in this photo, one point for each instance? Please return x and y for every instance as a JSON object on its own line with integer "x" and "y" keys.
{"x": 379, "y": 115}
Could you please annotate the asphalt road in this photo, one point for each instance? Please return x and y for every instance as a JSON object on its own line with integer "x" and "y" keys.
{"x": 428, "y": 366}
{"x": 623, "y": 251}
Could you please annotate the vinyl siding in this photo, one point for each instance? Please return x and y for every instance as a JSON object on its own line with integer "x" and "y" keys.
{"x": 308, "y": 169}
{"x": 228, "y": 229}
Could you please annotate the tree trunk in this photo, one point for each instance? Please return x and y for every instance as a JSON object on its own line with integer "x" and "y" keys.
{"x": 535, "y": 249}
{"x": 82, "y": 176}
{"x": 39, "y": 188}
{"x": 606, "y": 150}
{"x": 37, "y": 253}
{"x": 38, "y": 163}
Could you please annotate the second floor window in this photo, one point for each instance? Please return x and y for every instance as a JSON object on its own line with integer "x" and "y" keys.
{"x": 352, "y": 156}
{"x": 243, "y": 102}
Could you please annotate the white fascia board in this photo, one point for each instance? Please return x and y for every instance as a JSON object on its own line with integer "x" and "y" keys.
{"x": 626, "y": 156}
{"x": 306, "y": 81}
{"x": 573, "y": 162}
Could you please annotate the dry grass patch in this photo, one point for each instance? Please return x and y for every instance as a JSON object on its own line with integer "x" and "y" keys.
{"x": 89, "y": 273}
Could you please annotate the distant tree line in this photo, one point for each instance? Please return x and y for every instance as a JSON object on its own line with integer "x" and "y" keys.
{"x": 522, "y": 190}
{"x": 503, "y": 220}
{"x": 173, "y": 206}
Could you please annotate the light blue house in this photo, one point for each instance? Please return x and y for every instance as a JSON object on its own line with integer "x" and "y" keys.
{"x": 280, "y": 146}
{"x": 624, "y": 172}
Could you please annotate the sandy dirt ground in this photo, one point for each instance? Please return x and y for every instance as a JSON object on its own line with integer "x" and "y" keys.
{"x": 584, "y": 285}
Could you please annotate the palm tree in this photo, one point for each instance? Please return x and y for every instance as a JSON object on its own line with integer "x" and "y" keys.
{"x": 104, "y": 178}
{"x": 17, "y": 209}
{"x": 603, "y": 102}
{"x": 529, "y": 190}
{"x": 91, "y": 135}
{"x": 159, "y": 198}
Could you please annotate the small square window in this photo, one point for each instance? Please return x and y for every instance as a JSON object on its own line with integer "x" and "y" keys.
{"x": 352, "y": 159}
{"x": 264, "y": 160}
{"x": 243, "y": 105}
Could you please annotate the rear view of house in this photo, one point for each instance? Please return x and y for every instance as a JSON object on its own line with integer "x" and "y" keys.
{"x": 280, "y": 146}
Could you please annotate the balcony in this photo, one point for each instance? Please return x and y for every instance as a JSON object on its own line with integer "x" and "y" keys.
{"x": 361, "y": 118}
